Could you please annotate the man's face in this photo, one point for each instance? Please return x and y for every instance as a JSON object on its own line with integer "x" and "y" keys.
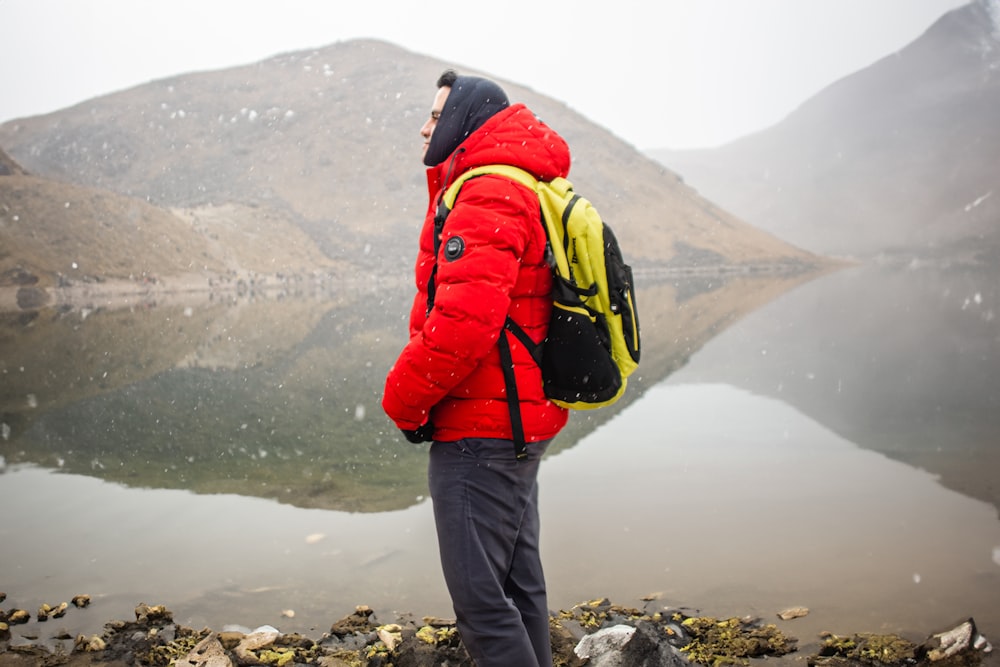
{"x": 428, "y": 129}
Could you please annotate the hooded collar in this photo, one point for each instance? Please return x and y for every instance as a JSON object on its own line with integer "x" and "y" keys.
{"x": 514, "y": 136}
{"x": 471, "y": 102}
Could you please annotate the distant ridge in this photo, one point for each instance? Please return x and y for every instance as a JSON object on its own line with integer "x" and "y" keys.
{"x": 901, "y": 157}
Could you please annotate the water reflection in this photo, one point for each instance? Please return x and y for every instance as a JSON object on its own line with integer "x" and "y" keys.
{"x": 900, "y": 360}
{"x": 710, "y": 496}
{"x": 722, "y": 500}
{"x": 828, "y": 443}
{"x": 270, "y": 398}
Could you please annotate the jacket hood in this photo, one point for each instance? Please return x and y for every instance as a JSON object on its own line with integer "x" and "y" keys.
{"x": 471, "y": 102}
{"x": 514, "y": 136}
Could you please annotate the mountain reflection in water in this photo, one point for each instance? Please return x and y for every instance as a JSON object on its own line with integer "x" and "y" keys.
{"x": 743, "y": 473}
{"x": 271, "y": 398}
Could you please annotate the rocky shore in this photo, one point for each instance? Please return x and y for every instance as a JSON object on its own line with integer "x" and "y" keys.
{"x": 597, "y": 633}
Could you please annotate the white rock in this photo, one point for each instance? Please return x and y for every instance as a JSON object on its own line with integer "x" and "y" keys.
{"x": 603, "y": 648}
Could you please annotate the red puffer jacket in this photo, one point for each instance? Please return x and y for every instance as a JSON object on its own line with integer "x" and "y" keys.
{"x": 491, "y": 263}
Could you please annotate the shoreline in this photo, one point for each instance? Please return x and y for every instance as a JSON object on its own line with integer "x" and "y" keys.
{"x": 590, "y": 631}
{"x": 184, "y": 289}
{"x": 90, "y": 292}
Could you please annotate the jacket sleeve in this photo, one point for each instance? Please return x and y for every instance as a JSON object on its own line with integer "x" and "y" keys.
{"x": 482, "y": 244}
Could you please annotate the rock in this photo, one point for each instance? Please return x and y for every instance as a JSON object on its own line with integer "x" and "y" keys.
{"x": 417, "y": 654}
{"x": 563, "y": 640}
{"x": 391, "y": 635}
{"x": 963, "y": 637}
{"x": 604, "y": 647}
{"x": 332, "y": 661}
{"x": 793, "y": 612}
{"x": 92, "y": 644}
{"x": 209, "y": 652}
{"x": 359, "y": 621}
{"x": 430, "y": 647}
{"x": 158, "y": 613}
{"x": 32, "y": 298}
{"x": 45, "y": 612}
{"x": 666, "y": 653}
{"x": 644, "y": 646}
{"x": 253, "y": 642}
{"x": 18, "y": 616}
{"x": 264, "y": 628}
{"x": 436, "y": 622}
{"x": 857, "y": 649}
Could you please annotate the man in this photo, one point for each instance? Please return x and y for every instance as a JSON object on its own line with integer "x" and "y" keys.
{"x": 447, "y": 386}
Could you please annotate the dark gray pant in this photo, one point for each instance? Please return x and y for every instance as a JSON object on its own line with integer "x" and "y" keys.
{"x": 486, "y": 511}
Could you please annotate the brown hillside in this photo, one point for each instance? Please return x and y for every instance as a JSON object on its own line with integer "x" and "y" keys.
{"x": 8, "y": 167}
{"x": 54, "y": 232}
{"x": 328, "y": 140}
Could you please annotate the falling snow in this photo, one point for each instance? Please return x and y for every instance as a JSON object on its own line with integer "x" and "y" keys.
{"x": 979, "y": 200}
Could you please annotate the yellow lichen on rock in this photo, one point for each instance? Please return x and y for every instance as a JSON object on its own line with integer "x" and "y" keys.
{"x": 733, "y": 641}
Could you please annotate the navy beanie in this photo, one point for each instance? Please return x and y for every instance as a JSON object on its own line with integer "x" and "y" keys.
{"x": 471, "y": 102}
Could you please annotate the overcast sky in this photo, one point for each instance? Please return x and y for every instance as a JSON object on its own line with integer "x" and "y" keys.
{"x": 658, "y": 73}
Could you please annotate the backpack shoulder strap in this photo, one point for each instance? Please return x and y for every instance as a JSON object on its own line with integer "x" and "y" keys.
{"x": 515, "y": 174}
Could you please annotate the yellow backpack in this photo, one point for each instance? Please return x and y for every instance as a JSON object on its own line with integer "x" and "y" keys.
{"x": 593, "y": 340}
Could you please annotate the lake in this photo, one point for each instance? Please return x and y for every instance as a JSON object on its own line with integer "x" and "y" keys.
{"x": 830, "y": 442}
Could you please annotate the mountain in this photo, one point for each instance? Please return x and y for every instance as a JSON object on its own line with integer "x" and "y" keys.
{"x": 307, "y": 161}
{"x": 901, "y": 157}
{"x": 77, "y": 239}
{"x": 8, "y": 167}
